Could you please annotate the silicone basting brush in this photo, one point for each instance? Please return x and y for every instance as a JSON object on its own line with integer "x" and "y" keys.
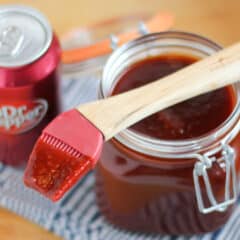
{"x": 71, "y": 144}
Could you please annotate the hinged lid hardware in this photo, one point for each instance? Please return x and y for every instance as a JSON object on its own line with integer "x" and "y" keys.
{"x": 142, "y": 29}
{"x": 227, "y": 161}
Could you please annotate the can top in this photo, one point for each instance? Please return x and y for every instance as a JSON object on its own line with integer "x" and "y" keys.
{"x": 25, "y": 35}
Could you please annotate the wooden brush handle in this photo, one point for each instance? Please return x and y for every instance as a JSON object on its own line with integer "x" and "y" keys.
{"x": 13, "y": 227}
{"x": 116, "y": 113}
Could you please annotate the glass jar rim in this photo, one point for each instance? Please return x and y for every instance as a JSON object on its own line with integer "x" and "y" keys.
{"x": 226, "y": 131}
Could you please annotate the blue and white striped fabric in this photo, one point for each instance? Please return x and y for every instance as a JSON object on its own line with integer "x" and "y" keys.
{"x": 77, "y": 217}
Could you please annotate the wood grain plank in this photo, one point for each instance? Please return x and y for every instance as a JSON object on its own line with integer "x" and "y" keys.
{"x": 213, "y": 18}
{"x": 13, "y": 227}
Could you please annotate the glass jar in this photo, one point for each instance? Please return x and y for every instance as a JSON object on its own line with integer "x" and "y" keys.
{"x": 170, "y": 187}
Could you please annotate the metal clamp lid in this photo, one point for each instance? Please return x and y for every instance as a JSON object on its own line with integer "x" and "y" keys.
{"x": 142, "y": 29}
{"x": 227, "y": 161}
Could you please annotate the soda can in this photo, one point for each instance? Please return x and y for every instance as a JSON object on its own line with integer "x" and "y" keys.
{"x": 29, "y": 80}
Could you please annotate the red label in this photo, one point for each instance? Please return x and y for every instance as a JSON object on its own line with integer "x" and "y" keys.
{"x": 17, "y": 118}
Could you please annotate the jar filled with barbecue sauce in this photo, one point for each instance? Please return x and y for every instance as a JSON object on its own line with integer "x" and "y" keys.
{"x": 176, "y": 171}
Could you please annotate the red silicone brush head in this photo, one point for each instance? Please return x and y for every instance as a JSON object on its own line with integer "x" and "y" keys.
{"x": 67, "y": 149}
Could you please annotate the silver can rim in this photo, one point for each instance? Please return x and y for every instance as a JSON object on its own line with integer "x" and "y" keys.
{"x": 34, "y": 13}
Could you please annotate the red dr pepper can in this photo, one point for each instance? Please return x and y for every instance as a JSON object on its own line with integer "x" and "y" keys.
{"x": 29, "y": 99}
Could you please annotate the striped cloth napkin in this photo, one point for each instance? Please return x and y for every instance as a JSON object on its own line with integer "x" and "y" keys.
{"x": 76, "y": 217}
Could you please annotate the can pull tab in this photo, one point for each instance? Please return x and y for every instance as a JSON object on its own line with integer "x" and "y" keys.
{"x": 11, "y": 41}
{"x": 227, "y": 160}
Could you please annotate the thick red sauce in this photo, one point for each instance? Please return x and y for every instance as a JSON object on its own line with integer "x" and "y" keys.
{"x": 53, "y": 170}
{"x": 143, "y": 193}
{"x": 188, "y": 119}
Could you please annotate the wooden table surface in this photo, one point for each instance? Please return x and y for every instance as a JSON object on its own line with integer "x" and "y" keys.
{"x": 216, "y": 19}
